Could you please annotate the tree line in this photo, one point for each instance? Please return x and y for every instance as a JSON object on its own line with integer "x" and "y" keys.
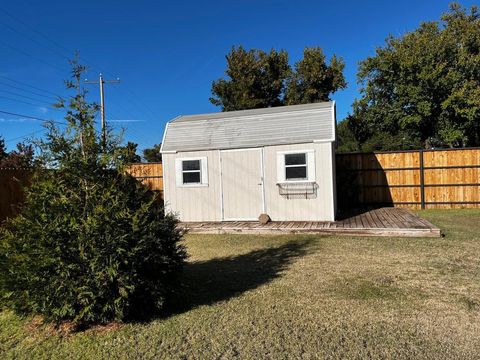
{"x": 419, "y": 90}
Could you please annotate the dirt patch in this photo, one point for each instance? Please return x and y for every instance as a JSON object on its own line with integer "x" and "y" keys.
{"x": 38, "y": 325}
{"x": 105, "y": 328}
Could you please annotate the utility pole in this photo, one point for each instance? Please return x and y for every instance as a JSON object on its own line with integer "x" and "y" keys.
{"x": 101, "y": 81}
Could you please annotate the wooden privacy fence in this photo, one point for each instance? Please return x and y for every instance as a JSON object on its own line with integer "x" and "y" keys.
{"x": 416, "y": 179}
{"x": 150, "y": 174}
{"x": 11, "y": 190}
{"x": 446, "y": 178}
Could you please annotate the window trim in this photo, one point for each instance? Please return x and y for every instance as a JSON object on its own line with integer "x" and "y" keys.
{"x": 310, "y": 163}
{"x": 203, "y": 171}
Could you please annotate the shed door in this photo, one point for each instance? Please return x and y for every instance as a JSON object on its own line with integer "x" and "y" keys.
{"x": 242, "y": 184}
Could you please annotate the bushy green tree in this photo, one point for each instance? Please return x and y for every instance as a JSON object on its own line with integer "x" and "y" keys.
{"x": 256, "y": 79}
{"x": 153, "y": 154}
{"x": 3, "y": 149}
{"x": 424, "y": 87}
{"x": 313, "y": 80}
{"x": 20, "y": 158}
{"x": 130, "y": 153}
{"x": 346, "y": 141}
{"x": 91, "y": 244}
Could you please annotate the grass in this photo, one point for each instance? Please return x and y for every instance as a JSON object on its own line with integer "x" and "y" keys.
{"x": 299, "y": 297}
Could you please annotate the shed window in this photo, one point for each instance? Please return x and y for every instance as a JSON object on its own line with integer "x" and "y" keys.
{"x": 296, "y": 166}
{"x": 191, "y": 171}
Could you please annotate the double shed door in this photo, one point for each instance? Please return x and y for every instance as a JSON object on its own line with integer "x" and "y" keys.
{"x": 242, "y": 184}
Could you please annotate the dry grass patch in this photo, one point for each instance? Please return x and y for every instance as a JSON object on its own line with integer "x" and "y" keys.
{"x": 301, "y": 297}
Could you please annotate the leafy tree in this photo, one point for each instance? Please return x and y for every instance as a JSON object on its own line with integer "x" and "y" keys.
{"x": 130, "y": 153}
{"x": 346, "y": 141}
{"x": 313, "y": 79}
{"x": 91, "y": 244}
{"x": 3, "y": 149}
{"x": 423, "y": 88}
{"x": 382, "y": 141}
{"x": 153, "y": 154}
{"x": 256, "y": 79}
{"x": 21, "y": 158}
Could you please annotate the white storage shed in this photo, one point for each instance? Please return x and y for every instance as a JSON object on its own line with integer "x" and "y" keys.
{"x": 234, "y": 166}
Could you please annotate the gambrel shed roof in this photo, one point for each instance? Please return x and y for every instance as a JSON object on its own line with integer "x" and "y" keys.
{"x": 281, "y": 125}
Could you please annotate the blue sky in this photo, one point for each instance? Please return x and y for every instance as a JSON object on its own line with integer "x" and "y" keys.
{"x": 167, "y": 54}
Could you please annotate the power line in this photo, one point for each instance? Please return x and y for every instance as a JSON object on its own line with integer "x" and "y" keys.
{"x": 124, "y": 109}
{"x": 36, "y": 31}
{"x": 11, "y": 28}
{"x": 67, "y": 53}
{"x": 132, "y": 96}
{"x": 147, "y": 139}
{"x": 20, "y": 95}
{"x": 32, "y": 56}
{"x": 24, "y": 136}
{"x": 30, "y": 86}
{"x": 32, "y": 117}
{"x": 23, "y": 102}
{"x": 35, "y": 118}
{"x": 25, "y": 90}
{"x": 49, "y": 106}
{"x": 139, "y": 101}
{"x": 140, "y": 105}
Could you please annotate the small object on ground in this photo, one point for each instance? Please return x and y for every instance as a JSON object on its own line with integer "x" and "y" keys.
{"x": 264, "y": 218}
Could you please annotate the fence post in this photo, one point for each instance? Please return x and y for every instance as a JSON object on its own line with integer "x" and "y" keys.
{"x": 422, "y": 180}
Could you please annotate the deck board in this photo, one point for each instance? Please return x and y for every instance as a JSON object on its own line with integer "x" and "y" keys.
{"x": 378, "y": 222}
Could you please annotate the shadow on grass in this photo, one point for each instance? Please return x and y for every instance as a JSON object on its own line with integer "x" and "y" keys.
{"x": 208, "y": 282}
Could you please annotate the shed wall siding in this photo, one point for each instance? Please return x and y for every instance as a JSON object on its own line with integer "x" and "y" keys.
{"x": 204, "y": 203}
{"x": 200, "y": 203}
{"x": 322, "y": 207}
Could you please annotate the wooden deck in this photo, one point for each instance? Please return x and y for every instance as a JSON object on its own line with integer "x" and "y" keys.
{"x": 379, "y": 222}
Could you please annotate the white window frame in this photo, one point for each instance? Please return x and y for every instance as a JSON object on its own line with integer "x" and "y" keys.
{"x": 310, "y": 162}
{"x": 203, "y": 171}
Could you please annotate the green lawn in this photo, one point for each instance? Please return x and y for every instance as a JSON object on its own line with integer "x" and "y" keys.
{"x": 299, "y": 297}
